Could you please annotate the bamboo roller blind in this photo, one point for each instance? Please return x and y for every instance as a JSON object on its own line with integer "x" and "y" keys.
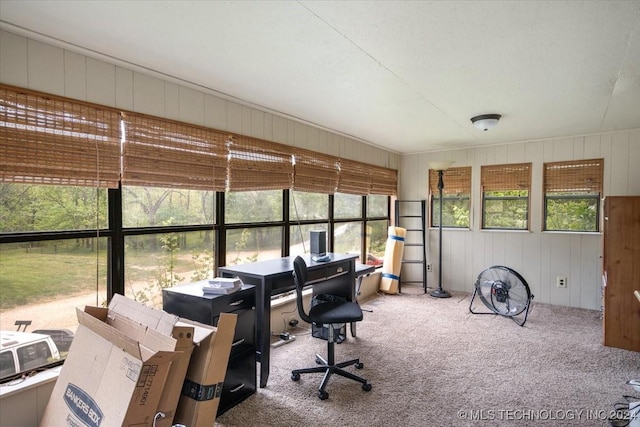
{"x": 314, "y": 172}
{"x": 456, "y": 181}
{"x": 46, "y": 139}
{"x": 572, "y": 176}
{"x": 255, "y": 164}
{"x": 163, "y": 153}
{"x": 516, "y": 176}
{"x": 383, "y": 180}
{"x": 354, "y": 177}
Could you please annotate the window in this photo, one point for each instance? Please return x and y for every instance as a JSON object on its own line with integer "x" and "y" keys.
{"x": 307, "y": 212}
{"x": 376, "y": 228}
{"x": 253, "y": 244}
{"x": 572, "y": 193}
{"x": 505, "y": 196}
{"x": 157, "y": 207}
{"x": 377, "y": 206}
{"x": 161, "y": 260}
{"x": 253, "y": 206}
{"x": 347, "y": 206}
{"x": 348, "y": 237}
{"x": 455, "y": 197}
{"x": 305, "y": 206}
{"x": 132, "y": 204}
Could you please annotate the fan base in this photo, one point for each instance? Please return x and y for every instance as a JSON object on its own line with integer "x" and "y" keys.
{"x": 440, "y": 293}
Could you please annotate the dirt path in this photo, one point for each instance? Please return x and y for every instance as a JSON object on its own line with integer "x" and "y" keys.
{"x": 61, "y": 314}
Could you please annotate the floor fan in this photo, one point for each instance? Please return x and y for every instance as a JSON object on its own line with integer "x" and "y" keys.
{"x": 504, "y": 292}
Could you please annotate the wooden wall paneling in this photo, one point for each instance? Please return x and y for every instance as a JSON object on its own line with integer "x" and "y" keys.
{"x": 246, "y": 124}
{"x": 291, "y": 133}
{"x": 124, "y": 89}
{"x": 590, "y": 272}
{"x": 234, "y": 117}
{"x": 500, "y": 154}
{"x": 469, "y": 272}
{"x": 215, "y": 112}
{"x": 268, "y": 126}
{"x": 256, "y": 118}
{"x": 410, "y": 178}
{"x": 14, "y": 69}
{"x": 548, "y": 150}
{"x": 516, "y": 153}
{"x": 148, "y": 95}
{"x": 619, "y": 163}
{"x": 496, "y": 248}
{"x": 578, "y": 148}
{"x": 300, "y": 135}
{"x": 563, "y": 149}
{"x": 323, "y": 142}
{"x": 545, "y": 269}
{"x": 633, "y": 174}
{"x": 605, "y": 152}
{"x": 75, "y": 75}
{"x": 191, "y": 104}
{"x": 313, "y": 140}
{"x": 280, "y": 131}
{"x": 531, "y": 271}
{"x": 534, "y": 154}
{"x": 171, "y": 103}
{"x": 100, "y": 82}
{"x": 513, "y": 250}
{"x": 575, "y": 283}
{"x": 559, "y": 265}
{"x": 477, "y": 258}
{"x": 455, "y": 260}
{"x": 46, "y": 68}
{"x": 592, "y": 147}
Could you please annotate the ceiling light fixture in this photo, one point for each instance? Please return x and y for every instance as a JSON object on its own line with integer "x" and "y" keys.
{"x": 485, "y": 121}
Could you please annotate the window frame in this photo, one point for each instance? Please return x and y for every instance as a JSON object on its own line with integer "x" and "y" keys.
{"x": 486, "y": 198}
{"x": 582, "y": 179}
{"x": 504, "y": 178}
{"x": 210, "y": 146}
{"x": 461, "y": 191}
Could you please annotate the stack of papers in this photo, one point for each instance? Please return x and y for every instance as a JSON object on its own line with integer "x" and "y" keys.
{"x": 222, "y": 286}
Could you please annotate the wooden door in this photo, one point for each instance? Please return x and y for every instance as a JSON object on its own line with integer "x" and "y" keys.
{"x": 622, "y": 269}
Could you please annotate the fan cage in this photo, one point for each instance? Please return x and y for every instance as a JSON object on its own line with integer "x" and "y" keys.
{"x": 504, "y": 292}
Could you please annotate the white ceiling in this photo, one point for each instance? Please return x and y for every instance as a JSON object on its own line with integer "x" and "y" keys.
{"x": 406, "y": 76}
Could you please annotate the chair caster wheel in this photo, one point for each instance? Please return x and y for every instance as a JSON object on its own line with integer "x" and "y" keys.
{"x": 323, "y": 395}
{"x": 359, "y": 365}
{"x": 366, "y": 387}
{"x": 295, "y": 377}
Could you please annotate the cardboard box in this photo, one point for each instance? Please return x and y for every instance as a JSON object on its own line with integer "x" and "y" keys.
{"x": 208, "y": 357}
{"x": 114, "y": 374}
{"x": 194, "y": 383}
{"x": 200, "y": 397}
{"x": 121, "y": 307}
{"x": 127, "y": 367}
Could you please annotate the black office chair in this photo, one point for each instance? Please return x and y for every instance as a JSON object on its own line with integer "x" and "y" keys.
{"x": 328, "y": 314}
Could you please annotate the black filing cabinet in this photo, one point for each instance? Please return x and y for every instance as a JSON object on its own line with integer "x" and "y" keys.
{"x": 189, "y": 302}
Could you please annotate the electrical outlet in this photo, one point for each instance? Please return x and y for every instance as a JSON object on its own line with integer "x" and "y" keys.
{"x": 561, "y": 282}
{"x": 429, "y": 268}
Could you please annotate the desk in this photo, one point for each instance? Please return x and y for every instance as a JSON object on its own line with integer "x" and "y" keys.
{"x": 276, "y": 276}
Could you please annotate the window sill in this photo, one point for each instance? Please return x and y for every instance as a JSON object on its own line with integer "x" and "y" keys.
{"x": 23, "y": 385}
{"x": 450, "y": 229}
{"x": 584, "y": 233}
{"x": 499, "y": 230}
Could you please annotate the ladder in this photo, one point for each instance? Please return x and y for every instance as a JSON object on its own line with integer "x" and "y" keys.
{"x": 410, "y": 215}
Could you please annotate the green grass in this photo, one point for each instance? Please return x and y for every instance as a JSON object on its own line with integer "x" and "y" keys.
{"x": 40, "y": 274}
